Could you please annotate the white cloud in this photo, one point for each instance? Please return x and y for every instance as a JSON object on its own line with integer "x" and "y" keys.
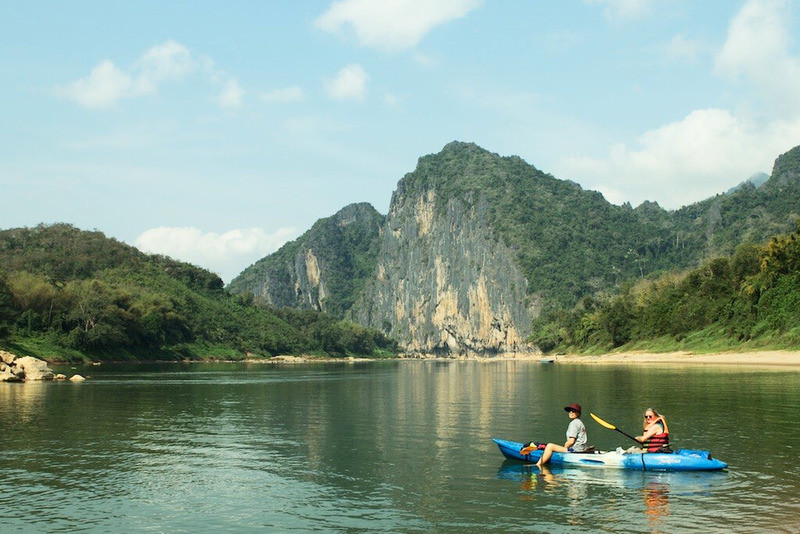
{"x": 226, "y": 254}
{"x": 287, "y": 95}
{"x": 231, "y": 95}
{"x": 758, "y": 49}
{"x": 349, "y": 83}
{"x": 167, "y": 62}
{"x": 392, "y": 25}
{"x": 710, "y": 150}
{"x": 623, "y": 10}
{"x": 704, "y": 154}
{"x": 104, "y": 86}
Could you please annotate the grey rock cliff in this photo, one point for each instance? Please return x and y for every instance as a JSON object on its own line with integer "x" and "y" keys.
{"x": 444, "y": 284}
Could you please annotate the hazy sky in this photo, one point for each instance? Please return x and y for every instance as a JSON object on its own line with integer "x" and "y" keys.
{"x": 216, "y": 131}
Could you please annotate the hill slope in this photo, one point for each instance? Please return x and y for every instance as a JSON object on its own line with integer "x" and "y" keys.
{"x": 475, "y": 245}
{"x": 67, "y": 292}
{"x": 324, "y": 269}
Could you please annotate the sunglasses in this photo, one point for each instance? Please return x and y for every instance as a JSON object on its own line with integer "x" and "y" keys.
{"x": 649, "y": 416}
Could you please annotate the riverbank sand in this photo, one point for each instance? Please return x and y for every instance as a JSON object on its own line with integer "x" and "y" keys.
{"x": 782, "y": 358}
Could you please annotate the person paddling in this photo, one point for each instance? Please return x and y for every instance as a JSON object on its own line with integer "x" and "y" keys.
{"x": 655, "y": 437}
{"x": 576, "y": 436}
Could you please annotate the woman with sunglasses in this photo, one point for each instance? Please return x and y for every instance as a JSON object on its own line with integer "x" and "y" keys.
{"x": 576, "y": 436}
{"x": 655, "y": 437}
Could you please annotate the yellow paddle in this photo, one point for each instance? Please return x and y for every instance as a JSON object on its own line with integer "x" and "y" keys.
{"x": 612, "y": 427}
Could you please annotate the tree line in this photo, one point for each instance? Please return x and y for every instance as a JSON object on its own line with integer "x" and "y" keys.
{"x": 750, "y": 297}
{"x": 71, "y": 294}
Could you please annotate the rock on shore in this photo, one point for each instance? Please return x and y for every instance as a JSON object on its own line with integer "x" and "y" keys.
{"x": 16, "y": 369}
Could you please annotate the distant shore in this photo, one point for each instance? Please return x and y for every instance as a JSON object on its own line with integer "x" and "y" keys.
{"x": 786, "y": 359}
{"x": 767, "y": 358}
{"x": 771, "y": 358}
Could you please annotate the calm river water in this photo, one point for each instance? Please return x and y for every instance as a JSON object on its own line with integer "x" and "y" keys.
{"x": 389, "y": 447}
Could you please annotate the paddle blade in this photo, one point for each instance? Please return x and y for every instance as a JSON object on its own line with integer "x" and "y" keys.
{"x": 604, "y": 423}
{"x": 524, "y": 451}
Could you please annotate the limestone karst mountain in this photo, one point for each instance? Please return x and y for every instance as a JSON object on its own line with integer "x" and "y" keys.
{"x": 475, "y": 245}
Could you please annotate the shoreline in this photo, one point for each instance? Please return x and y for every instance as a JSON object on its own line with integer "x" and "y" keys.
{"x": 766, "y": 358}
{"x": 774, "y": 359}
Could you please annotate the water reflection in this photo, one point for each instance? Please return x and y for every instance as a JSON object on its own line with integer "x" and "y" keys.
{"x": 656, "y": 501}
{"x": 574, "y": 486}
{"x": 384, "y": 447}
{"x": 546, "y": 479}
{"x": 24, "y": 400}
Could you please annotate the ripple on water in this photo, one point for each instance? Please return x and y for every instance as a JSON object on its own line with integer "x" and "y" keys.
{"x": 405, "y": 449}
{"x": 678, "y": 501}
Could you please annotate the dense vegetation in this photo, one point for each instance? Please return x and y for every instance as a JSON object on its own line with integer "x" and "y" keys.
{"x": 66, "y": 293}
{"x": 751, "y": 297}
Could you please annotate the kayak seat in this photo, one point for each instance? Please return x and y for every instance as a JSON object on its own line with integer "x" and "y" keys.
{"x": 589, "y": 449}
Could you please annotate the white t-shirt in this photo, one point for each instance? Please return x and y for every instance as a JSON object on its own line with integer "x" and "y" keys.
{"x": 578, "y": 431}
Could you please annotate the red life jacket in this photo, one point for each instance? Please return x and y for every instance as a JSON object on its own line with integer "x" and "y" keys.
{"x": 657, "y": 441}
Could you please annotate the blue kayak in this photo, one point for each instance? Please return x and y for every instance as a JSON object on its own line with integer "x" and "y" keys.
{"x": 680, "y": 460}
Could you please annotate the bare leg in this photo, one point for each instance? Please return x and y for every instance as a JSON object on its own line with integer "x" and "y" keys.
{"x": 548, "y": 452}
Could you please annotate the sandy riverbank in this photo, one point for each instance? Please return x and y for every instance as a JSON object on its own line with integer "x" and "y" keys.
{"x": 772, "y": 358}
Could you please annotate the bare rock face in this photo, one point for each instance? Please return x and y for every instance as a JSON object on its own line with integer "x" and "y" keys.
{"x": 444, "y": 284}
{"x": 6, "y": 375}
{"x": 7, "y": 358}
{"x": 8, "y": 372}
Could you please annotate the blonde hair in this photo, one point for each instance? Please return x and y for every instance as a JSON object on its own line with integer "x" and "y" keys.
{"x": 655, "y": 413}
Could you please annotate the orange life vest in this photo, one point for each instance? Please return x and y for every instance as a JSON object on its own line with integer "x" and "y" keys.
{"x": 657, "y": 441}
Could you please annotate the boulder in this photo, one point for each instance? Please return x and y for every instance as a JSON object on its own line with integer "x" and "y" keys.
{"x": 60, "y": 376}
{"x": 31, "y": 368}
{"x": 7, "y": 358}
{"x": 77, "y": 378}
{"x": 7, "y": 376}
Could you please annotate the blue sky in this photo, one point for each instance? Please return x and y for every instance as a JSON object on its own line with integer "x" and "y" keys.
{"x": 214, "y": 132}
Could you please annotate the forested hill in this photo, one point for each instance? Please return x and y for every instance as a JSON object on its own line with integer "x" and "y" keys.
{"x": 748, "y": 299}
{"x": 552, "y": 225}
{"x": 468, "y": 229}
{"x": 67, "y": 293}
{"x": 567, "y": 241}
{"x": 324, "y": 269}
{"x": 571, "y": 242}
